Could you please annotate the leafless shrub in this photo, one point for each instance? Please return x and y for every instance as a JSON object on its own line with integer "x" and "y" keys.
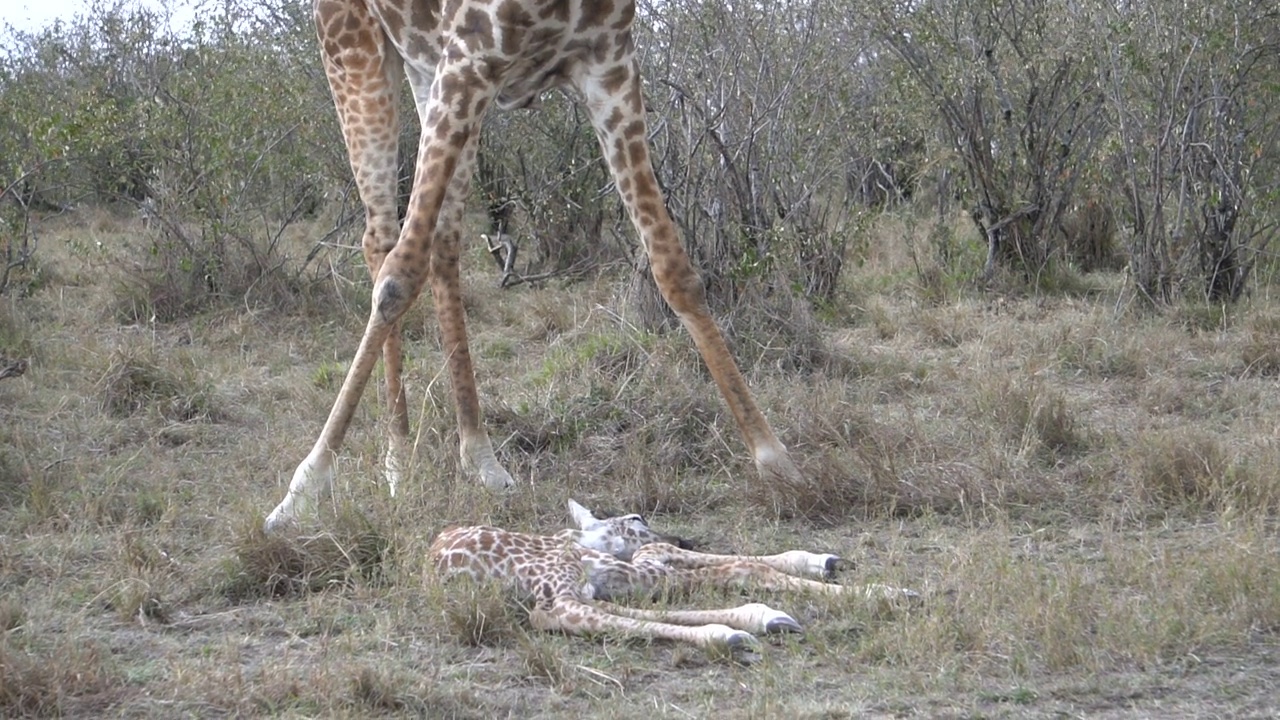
{"x": 1089, "y": 234}
{"x": 1019, "y": 107}
{"x": 546, "y": 190}
{"x": 1192, "y": 117}
{"x": 752, "y": 174}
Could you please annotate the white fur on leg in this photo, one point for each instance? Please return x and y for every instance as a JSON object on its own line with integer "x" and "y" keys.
{"x": 313, "y": 477}
{"x": 722, "y": 639}
{"x": 760, "y": 619}
{"x": 774, "y": 464}
{"x": 477, "y": 456}
{"x": 806, "y": 564}
{"x": 391, "y": 470}
{"x": 767, "y": 456}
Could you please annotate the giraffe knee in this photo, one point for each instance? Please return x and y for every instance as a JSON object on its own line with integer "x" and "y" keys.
{"x": 681, "y": 285}
{"x": 391, "y": 299}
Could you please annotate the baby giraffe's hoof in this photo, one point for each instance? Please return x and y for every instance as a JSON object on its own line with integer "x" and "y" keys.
{"x": 743, "y": 648}
{"x": 764, "y": 620}
{"x": 782, "y": 624}
{"x": 736, "y": 645}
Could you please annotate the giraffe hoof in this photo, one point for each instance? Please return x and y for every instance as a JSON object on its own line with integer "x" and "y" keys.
{"x": 283, "y": 518}
{"x": 767, "y": 621}
{"x": 782, "y": 624}
{"x": 742, "y": 647}
{"x": 727, "y": 643}
{"x": 497, "y": 480}
{"x": 277, "y": 523}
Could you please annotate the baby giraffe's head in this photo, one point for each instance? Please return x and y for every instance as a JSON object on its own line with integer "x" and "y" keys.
{"x": 619, "y": 536}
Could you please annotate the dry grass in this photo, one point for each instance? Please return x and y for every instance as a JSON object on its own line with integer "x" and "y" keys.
{"x": 349, "y": 551}
{"x": 1086, "y": 492}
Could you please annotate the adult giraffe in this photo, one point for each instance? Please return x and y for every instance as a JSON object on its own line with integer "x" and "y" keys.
{"x": 460, "y": 56}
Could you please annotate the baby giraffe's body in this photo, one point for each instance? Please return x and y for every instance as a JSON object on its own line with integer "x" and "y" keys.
{"x": 572, "y": 576}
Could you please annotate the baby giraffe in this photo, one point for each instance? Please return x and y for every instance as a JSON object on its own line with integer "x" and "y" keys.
{"x": 571, "y": 577}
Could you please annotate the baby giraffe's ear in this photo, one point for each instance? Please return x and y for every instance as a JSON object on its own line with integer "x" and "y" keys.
{"x": 582, "y": 517}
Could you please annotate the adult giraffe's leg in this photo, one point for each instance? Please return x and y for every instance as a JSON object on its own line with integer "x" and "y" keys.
{"x": 474, "y": 445}
{"x": 450, "y": 119}
{"x": 364, "y": 74}
{"x": 613, "y": 98}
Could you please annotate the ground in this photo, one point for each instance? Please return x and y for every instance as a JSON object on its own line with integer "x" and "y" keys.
{"x": 1083, "y": 488}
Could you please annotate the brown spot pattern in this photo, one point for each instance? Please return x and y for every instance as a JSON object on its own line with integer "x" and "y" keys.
{"x": 460, "y": 55}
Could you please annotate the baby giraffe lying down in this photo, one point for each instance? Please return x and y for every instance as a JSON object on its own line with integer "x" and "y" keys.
{"x": 572, "y": 575}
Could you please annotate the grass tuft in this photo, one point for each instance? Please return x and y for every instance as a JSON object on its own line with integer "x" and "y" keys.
{"x": 71, "y": 678}
{"x": 383, "y": 692}
{"x": 12, "y": 615}
{"x": 1178, "y": 467}
{"x": 543, "y": 660}
{"x": 482, "y": 614}
{"x": 136, "y": 380}
{"x": 1031, "y": 418}
{"x": 350, "y": 552}
{"x": 136, "y": 599}
{"x": 1191, "y": 468}
{"x": 377, "y": 692}
{"x": 1260, "y": 349}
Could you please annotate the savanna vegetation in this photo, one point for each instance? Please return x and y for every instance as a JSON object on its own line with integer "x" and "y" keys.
{"x": 1000, "y": 272}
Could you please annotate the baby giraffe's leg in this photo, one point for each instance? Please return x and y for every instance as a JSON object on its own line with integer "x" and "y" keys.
{"x": 749, "y": 571}
{"x": 569, "y": 615}
{"x": 692, "y": 567}
{"x": 755, "y": 618}
{"x": 823, "y": 566}
{"x": 793, "y": 562}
